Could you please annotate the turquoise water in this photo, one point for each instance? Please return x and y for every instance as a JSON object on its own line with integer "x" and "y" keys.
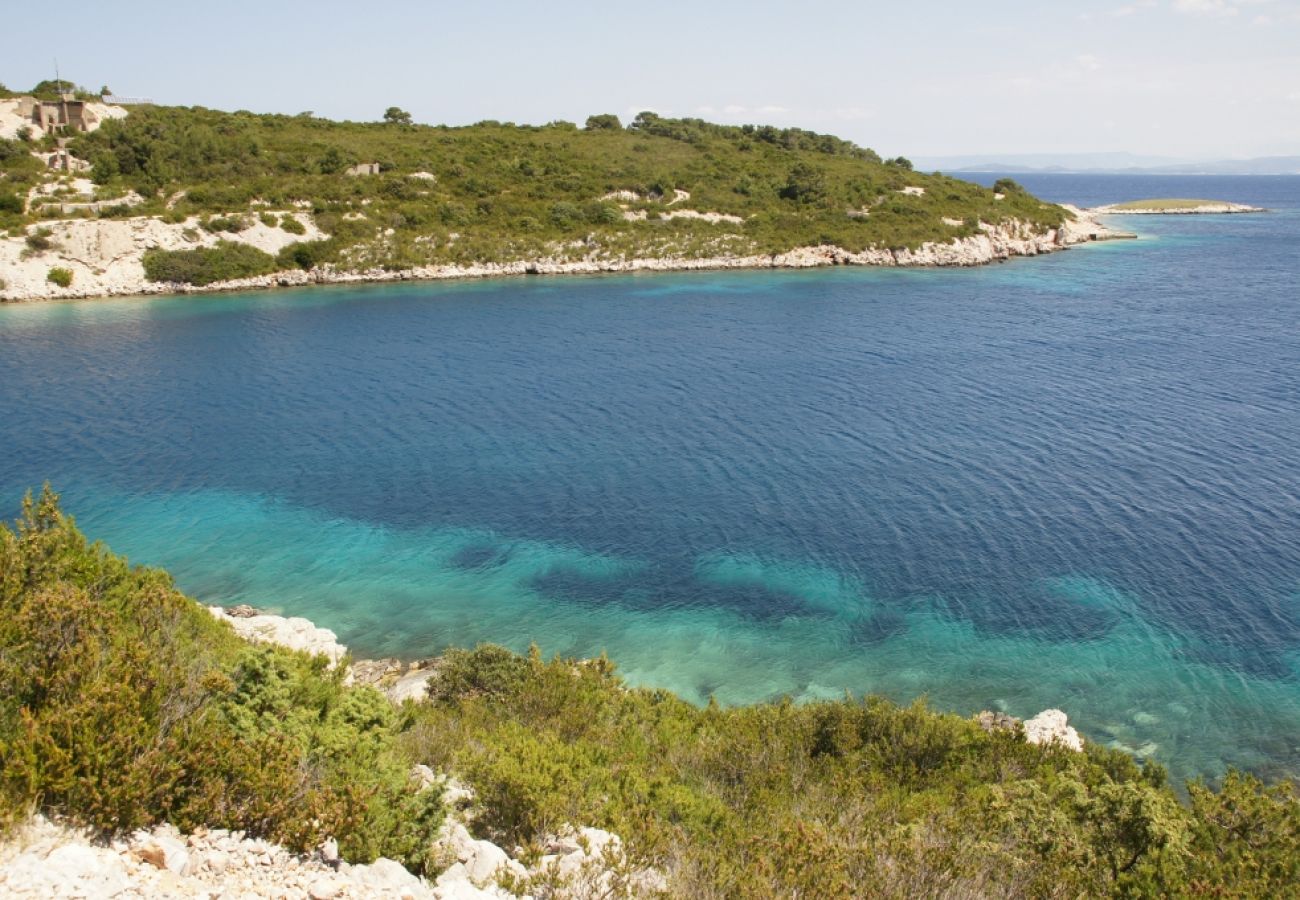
{"x": 1068, "y": 481}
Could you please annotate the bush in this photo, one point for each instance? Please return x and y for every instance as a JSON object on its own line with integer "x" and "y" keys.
{"x": 60, "y": 276}
{"x": 604, "y": 122}
{"x": 229, "y": 224}
{"x": 1007, "y": 186}
{"x": 39, "y": 241}
{"x": 206, "y": 265}
{"x": 306, "y": 254}
{"x": 11, "y": 203}
{"x": 124, "y": 704}
{"x": 292, "y": 225}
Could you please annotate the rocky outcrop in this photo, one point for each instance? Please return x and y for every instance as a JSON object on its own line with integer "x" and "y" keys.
{"x": 293, "y": 633}
{"x": 104, "y": 256}
{"x": 1051, "y": 726}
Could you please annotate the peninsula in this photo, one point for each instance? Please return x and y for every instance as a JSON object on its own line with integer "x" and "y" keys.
{"x": 150, "y": 199}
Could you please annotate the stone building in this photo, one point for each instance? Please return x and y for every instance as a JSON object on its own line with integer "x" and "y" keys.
{"x": 371, "y": 168}
{"x": 65, "y": 114}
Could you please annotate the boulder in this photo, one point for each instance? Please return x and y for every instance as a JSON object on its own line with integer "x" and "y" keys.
{"x": 1051, "y": 726}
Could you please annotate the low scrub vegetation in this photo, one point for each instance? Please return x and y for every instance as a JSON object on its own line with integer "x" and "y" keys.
{"x": 839, "y": 799}
{"x": 501, "y": 192}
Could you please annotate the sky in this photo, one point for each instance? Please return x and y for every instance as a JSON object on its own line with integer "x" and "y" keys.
{"x": 1190, "y": 79}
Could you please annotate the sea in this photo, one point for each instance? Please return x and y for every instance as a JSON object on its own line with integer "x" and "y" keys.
{"x": 1070, "y": 481}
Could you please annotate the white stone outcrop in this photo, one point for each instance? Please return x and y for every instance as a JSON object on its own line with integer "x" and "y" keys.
{"x": 1051, "y": 726}
{"x": 294, "y": 633}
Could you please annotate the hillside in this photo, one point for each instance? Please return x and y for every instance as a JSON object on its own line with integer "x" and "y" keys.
{"x": 344, "y": 197}
{"x": 124, "y": 704}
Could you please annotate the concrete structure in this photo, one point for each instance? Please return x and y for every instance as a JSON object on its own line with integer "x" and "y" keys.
{"x": 371, "y": 168}
{"x": 65, "y": 114}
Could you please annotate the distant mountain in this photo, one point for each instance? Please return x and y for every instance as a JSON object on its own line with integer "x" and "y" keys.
{"x": 1109, "y": 164}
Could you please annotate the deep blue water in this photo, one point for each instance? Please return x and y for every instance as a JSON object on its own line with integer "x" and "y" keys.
{"x": 1066, "y": 481}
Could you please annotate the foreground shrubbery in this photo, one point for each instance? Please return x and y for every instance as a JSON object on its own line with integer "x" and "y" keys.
{"x": 839, "y": 799}
{"x": 124, "y": 703}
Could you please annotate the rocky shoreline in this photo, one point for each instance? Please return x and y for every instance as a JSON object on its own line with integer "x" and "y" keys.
{"x": 105, "y": 258}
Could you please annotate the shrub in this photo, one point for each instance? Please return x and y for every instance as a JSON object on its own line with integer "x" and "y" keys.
{"x": 291, "y": 224}
{"x": 206, "y": 265}
{"x": 268, "y": 220}
{"x": 604, "y": 122}
{"x": 306, "y": 254}
{"x": 124, "y": 704}
{"x": 230, "y": 224}
{"x": 60, "y": 276}
{"x": 1007, "y": 186}
{"x": 39, "y": 241}
{"x": 11, "y": 203}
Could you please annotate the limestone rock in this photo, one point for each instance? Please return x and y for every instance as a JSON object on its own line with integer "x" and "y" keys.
{"x": 294, "y": 633}
{"x": 1051, "y": 726}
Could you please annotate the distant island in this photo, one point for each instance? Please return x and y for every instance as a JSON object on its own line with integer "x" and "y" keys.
{"x": 99, "y": 198}
{"x": 1174, "y": 207}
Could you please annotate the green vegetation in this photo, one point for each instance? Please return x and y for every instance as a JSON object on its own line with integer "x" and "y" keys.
{"x": 838, "y": 799}
{"x": 205, "y": 265}
{"x": 504, "y": 192}
{"x": 123, "y": 703}
{"x": 60, "y": 276}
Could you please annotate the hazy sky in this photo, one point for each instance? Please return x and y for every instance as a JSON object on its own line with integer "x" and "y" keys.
{"x": 1186, "y": 78}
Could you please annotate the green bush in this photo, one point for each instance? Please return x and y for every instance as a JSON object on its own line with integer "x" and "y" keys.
{"x": 306, "y": 254}
{"x": 229, "y": 224}
{"x": 206, "y": 265}
{"x": 124, "y": 703}
{"x": 40, "y": 240}
{"x": 11, "y": 203}
{"x": 60, "y": 276}
{"x": 292, "y": 225}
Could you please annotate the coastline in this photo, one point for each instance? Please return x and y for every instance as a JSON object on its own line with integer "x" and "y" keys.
{"x": 118, "y": 273}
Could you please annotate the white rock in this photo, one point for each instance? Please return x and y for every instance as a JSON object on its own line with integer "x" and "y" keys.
{"x": 411, "y": 686}
{"x": 485, "y": 858}
{"x": 1051, "y": 726}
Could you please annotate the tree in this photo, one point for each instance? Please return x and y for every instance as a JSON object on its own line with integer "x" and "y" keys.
{"x": 1007, "y": 186}
{"x": 604, "y": 122}
{"x": 805, "y": 184}
{"x": 397, "y": 116}
{"x": 901, "y": 162}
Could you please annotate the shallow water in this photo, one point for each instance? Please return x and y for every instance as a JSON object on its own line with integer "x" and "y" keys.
{"x": 1068, "y": 481}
